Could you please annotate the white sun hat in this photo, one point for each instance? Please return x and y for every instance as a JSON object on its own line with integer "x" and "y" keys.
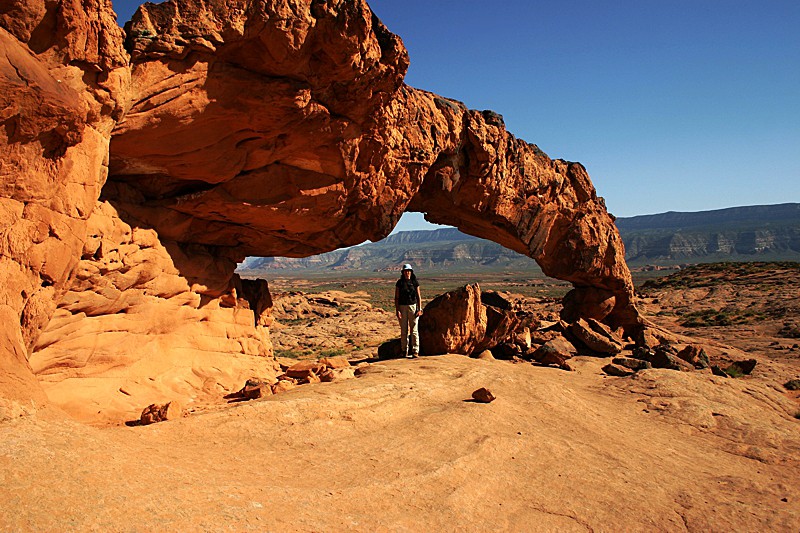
{"x": 407, "y": 267}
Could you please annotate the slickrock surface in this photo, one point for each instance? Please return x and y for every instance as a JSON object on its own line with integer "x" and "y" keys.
{"x": 401, "y": 448}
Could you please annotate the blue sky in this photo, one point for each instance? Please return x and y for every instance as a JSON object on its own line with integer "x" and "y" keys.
{"x": 671, "y": 105}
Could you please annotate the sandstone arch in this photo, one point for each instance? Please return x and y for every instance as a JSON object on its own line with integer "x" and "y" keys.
{"x": 251, "y": 128}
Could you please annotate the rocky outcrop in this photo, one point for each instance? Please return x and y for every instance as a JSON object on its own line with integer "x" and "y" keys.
{"x": 454, "y": 322}
{"x": 63, "y": 75}
{"x": 141, "y": 316}
{"x": 336, "y": 137}
{"x": 469, "y": 321}
{"x": 160, "y": 413}
{"x": 241, "y": 128}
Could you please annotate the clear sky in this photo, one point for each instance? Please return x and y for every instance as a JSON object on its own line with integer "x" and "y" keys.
{"x": 678, "y": 105}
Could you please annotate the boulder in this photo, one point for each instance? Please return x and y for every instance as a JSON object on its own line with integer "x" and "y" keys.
{"x": 454, "y": 322}
{"x": 523, "y": 339}
{"x": 361, "y": 369}
{"x": 631, "y": 363}
{"x": 310, "y": 378}
{"x": 253, "y": 392}
{"x": 557, "y": 349}
{"x": 717, "y": 371}
{"x": 255, "y": 388}
{"x": 159, "y": 413}
{"x": 618, "y": 370}
{"x": 662, "y": 356}
{"x": 282, "y": 386}
{"x": 389, "y": 349}
{"x": 335, "y": 362}
{"x": 304, "y": 369}
{"x": 595, "y": 337}
{"x": 541, "y": 336}
{"x": 662, "y": 359}
{"x": 644, "y": 353}
{"x": 694, "y": 355}
{"x": 741, "y": 368}
{"x": 646, "y": 338}
{"x": 500, "y": 325}
{"x": 507, "y": 350}
{"x": 792, "y": 384}
{"x": 483, "y": 395}
{"x": 554, "y": 359}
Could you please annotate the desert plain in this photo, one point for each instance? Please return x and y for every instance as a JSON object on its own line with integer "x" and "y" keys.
{"x": 403, "y": 447}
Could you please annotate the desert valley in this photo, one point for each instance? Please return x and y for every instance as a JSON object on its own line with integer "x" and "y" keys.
{"x": 193, "y": 339}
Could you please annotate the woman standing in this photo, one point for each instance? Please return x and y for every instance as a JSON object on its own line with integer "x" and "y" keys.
{"x": 408, "y": 305}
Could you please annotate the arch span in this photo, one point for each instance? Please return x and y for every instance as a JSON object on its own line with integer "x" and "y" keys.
{"x": 305, "y": 168}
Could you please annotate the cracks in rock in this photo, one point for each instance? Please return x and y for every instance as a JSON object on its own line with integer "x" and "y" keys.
{"x": 572, "y": 517}
{"x": 683, "y": 519}
{"x": 181, "y": 87}
{"x": 22, "y": 78}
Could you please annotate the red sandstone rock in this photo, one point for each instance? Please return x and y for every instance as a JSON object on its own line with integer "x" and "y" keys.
{"x": 483, "y": 395}
{"x": 282, "y": 386}
{"x": 694, "y": 355}
{"x": 310, "y": 378}
{"x": 335, "y": 362}
{"x": 461, "y": 321}
{"x": 281, "y": 129}
{"x": 595, "y": 338}
{"x": 412, "y": 147}
{"x": 63, "y": 75}
{"x": 304, "y": 369}
{"x": 161, "y": 413}
{"x": 255, "y": 388}
{"x": 361, "y": 369}
{"x": 554, "y": 350}
{"x": 454, "y": 322}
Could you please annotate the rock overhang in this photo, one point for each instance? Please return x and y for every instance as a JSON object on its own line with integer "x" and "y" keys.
{"x": 268, "y": 128}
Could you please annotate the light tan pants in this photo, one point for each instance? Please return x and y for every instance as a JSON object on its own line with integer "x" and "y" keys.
{"x": 409, "y": 333}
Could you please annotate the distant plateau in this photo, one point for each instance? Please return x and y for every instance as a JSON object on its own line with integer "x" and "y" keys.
{"x": 752, "y": 233}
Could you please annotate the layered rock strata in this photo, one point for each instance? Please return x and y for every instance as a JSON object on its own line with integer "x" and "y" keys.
{"x": 63, "y": 76}
{"x": 245, "y": 128}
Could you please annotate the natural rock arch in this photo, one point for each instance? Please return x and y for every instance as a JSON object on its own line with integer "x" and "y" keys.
{"x": 316, "y": 163}
{"x": 245, "y": 128}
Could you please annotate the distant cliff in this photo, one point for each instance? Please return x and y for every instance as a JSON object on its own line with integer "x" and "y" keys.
{"x": 770, "y": 232}
{"x": 736, "y": 234}
{"x": 445, "y": 248}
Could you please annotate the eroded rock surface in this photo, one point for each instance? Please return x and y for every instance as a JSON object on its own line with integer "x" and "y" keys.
{"x": 63, "y": 74}
{"x": 243, "y": 128}
{"x": 136, "y": 319}
{"x": 336, "y": 136}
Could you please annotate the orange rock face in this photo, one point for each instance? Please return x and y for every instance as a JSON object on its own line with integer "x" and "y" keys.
{"x": 63, "y": 72}
{"x": 240, "y": 128}
{"x": 334, "y": 148}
